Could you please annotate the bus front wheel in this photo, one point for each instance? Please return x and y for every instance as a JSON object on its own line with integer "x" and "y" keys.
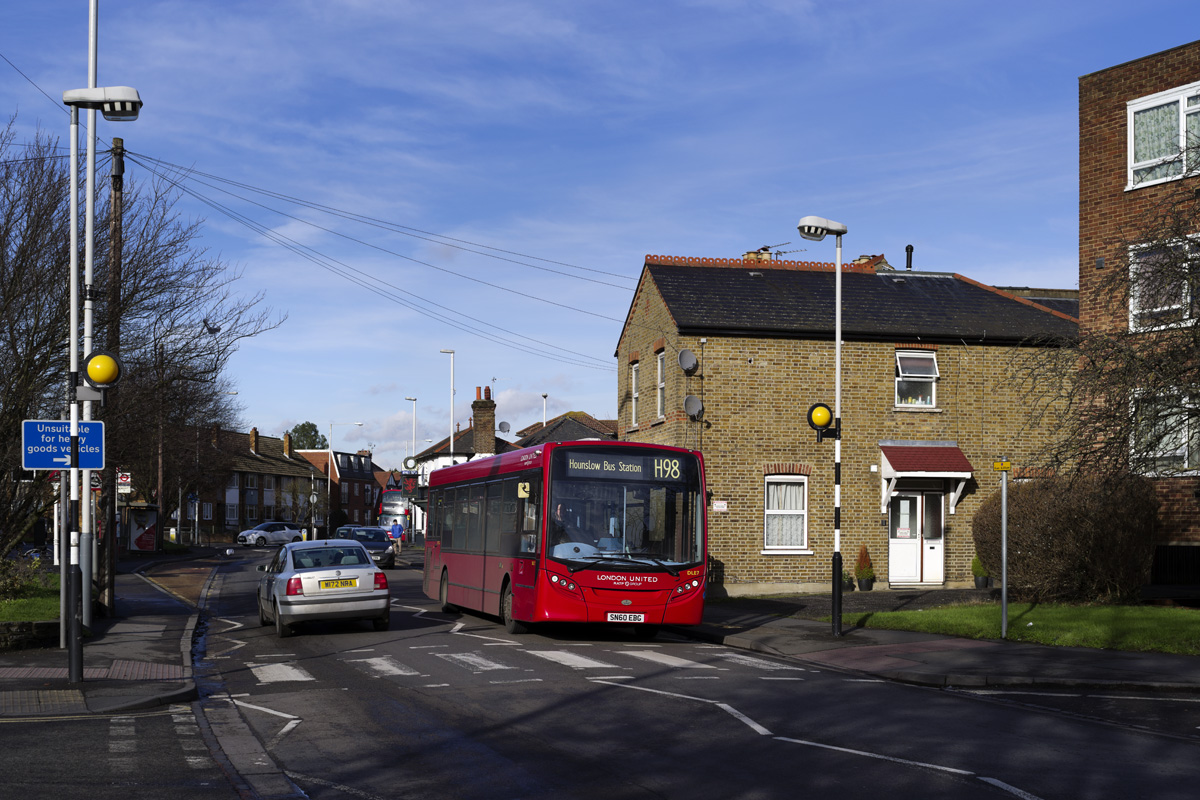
{"x": 511, "y": 625}
{"x": 444, "y": 595}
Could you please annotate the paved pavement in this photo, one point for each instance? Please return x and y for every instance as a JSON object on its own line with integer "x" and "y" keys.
{"x": 142, "y": 658}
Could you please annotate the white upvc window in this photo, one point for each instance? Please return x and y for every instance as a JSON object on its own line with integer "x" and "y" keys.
{"x": 1164, "y": 136}
{"x": 252, "y": 513}
{"x": 916, "y": 379}
{"x": 231, "y": 512}
{"x": 1167, "y": 433}
{"x": 661, "y": 395}
{"x": 1162, "y": 285}
{"x": 345, "y": 492}
{"x": 206, "y": 511}
{"x": 785, "y": 524}
{"x": 633, "y": 395}
{"x": 251, "y": 480}
{"x": 269, "y": 482}
{"x": 233, "y": 481}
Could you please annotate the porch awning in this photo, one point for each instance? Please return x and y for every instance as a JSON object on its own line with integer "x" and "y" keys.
{"x": 922, "y": 460}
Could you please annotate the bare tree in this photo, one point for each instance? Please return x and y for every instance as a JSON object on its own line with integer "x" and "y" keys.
{"x": 180, "y": 321}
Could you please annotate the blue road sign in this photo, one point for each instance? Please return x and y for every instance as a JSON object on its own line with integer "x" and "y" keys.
{"x": 46, "y": 444}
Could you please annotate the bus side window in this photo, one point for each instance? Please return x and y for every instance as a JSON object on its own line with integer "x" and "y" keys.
{"x": 493, "y": 520}
{"x": 433, "y": 518}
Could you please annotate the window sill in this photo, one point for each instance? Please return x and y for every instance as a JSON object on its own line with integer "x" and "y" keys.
{"x": 658, "y": 421}
{"x": 783, "y": 551}
{"x": 918, "y": 409}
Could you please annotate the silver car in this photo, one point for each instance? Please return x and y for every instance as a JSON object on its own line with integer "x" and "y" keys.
{"x": 270, "y": 533}
{"x": 322, "y": 580}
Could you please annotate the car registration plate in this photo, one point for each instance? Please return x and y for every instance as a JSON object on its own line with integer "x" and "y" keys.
{"x": 340, "y": 583}
{"x": 623, "y": 616}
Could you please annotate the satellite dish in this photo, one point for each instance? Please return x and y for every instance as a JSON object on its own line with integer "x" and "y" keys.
{"x": 505, "y": 427}
{"x": 693, "y": 406}
{"x": 687, "y": 361}
{"x": 410, "y": 462}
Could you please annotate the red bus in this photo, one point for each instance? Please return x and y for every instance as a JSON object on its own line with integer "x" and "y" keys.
{"x": 584, "y": 531}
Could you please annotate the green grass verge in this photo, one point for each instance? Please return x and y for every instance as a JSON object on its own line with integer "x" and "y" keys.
{"x": 1158, "y": 629}
{"x": 41, "y": 603}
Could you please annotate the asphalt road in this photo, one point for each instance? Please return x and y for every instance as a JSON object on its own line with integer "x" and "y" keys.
{"x": 451, "y": 706}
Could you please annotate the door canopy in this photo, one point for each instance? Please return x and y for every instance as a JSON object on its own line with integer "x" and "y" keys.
{"x": 902, "y": 459}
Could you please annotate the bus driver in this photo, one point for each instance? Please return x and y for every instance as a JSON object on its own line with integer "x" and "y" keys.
{"x": 567, "y": 531}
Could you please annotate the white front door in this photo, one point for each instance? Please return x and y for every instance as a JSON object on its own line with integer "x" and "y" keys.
{"x": 916, "y": 553}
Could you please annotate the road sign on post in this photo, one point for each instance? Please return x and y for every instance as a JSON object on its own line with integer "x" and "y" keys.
{"x": 46, "y": 444}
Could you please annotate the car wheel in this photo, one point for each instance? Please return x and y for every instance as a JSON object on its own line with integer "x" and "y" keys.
{"x": 282, "y": 630}
{"x": 262, "y": 618}
{"x": 511, "y": 625}
{"x": 382, "y": 623}
{"x": 295, "y": 538}
{"x": 444, "y": 594}
{"x": 260, "y": 541}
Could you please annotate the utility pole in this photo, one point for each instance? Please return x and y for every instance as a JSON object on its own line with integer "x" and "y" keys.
{"x": 112, "y": 342}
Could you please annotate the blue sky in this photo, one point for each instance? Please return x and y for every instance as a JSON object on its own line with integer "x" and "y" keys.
{"x": 569, "y": 140}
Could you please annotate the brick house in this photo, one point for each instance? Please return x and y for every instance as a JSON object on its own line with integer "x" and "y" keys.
{"x": 353, "y": 491}
{"x": 1137, "y": 122}
{"x": 928, "y": 404}
{"x": 264, "y": 479}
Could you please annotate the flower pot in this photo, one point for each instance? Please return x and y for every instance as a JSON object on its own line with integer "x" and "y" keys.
{"x": 865, "y": 584}
{"x": 981, "y": 582}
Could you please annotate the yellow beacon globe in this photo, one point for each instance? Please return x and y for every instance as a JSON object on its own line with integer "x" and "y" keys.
{"x": 103, "y": 369}
{"x": 820, "y": 416}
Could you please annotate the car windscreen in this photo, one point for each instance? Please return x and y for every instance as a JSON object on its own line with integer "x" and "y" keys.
{"x": 338, "y": 556}
{"x": 371, "y": 535}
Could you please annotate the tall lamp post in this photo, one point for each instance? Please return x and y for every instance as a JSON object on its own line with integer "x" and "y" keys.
{"x": 329, "y": 482}
{"x": 118, "y": 103}
{"x": 414, "y": 436}
{"x": 815, "y": 229}
{"x": 451, "y": 352}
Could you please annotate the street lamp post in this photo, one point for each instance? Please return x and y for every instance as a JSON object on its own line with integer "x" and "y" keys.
{"x": 118, "y": 103}
{"x": 451, "y": 352}
{"x": 329, "y": 481}
{"x": 414, "y": 436}
{"x": 543, "y": 410}
{"x": 815, "y": 229}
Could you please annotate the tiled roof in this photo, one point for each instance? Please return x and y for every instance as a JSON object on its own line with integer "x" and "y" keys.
{"x": 269, "y": 458}
{"x": 569, "y": 427}
{"x": 796, "y": 299}
{"x": 926, "y": 458}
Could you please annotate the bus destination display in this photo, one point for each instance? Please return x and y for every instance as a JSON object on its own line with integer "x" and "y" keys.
{"x": 622, "y": 467}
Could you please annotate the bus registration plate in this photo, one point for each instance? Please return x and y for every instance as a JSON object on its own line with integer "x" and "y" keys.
{"x": 340, "y": 583}
{"x": 622, "y": 616}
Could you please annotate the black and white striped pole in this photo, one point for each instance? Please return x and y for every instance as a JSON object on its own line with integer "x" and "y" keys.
{"x": 815, "y": 229}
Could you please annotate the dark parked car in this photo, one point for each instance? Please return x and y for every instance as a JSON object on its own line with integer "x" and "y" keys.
{"x": 378, "y": 544}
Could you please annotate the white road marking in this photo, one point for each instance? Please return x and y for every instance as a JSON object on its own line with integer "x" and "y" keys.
{"x": 264, "y": 709}
{"x": 758, "y": 663}
{"x": 879, "y": 756}
{"x": 1010, "y": 789}
{"x": 472, "y": 661}
{"x": 666, "y": 660}
{"x": 572, "y": 660}
{"x": 723, "y": 706}
{"x": 384, "y": 666}
{"x": 279, "y": 673}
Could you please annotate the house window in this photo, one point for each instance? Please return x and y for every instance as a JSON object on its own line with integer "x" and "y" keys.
{"x": 1164, "y": 134}
{"x": 269, "y": 482}
{"x": 251, "y": 481}
{"x": 345, "y": 492}
{"x": 916, "y": 379}
{"x": 206, "y": 511}
{"x": 1167, "y": 436}
{"x": 633, "y": 390}
{"x": 233, "y": 481}
{"x": 252, "y": 513}
{"x": 1162, "y": 288}
{"x": 356, "y": 490}
{"x": 662, "y": 385}
{"x": 786, "y": 514}
{"x": 231, "y": 512}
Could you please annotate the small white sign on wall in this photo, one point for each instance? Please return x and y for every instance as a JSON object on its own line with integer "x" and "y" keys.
{"x": 720, "y": 505}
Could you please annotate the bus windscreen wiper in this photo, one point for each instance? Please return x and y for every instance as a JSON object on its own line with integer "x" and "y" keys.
{"x": 597, "y": 560}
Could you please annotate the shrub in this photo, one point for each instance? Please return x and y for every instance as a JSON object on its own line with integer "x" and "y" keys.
{"x": 1073, "y": 539}
{"x": 18, "y": 578}
{"x": 977, "y": 568}
{"x": 863, "y": 569}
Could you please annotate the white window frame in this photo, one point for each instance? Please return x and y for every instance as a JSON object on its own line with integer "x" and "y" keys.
{"x": 251, "y": 480}
{"x": 1187, "y": 439}
{"x": 633, "y": 394}
{"x": 206, "y": 511}
{"x": 661, "y": 395}
{"x": 252, "y": 514}
{"x": 233, "y": 481}
{"x": 231, "y": 512}
{"x": 1186, "y": 100}
{"x": 345, "y": 492}
{"x": 1178, "y": 312}
{"x": 910, "y": 376}
{"x": 789, "y": 549}
{"x": 269, "y": 482}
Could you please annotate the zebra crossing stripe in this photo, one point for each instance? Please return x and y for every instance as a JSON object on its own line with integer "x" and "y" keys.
{"x": 667, "y": 660}
{"x": 472, "y": 661}
{"x": 279, "y": 673}
{"x": 573, "y": 660}
{"x": 384, "y": 666}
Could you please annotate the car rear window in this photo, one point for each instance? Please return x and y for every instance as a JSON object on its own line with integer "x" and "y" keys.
{"x": 316, "y": 557}
{"x": 370, "y": 535}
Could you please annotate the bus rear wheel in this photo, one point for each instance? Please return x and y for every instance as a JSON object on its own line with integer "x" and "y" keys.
{"x": 511, "y": 625}
{"x": 444, "y": 595}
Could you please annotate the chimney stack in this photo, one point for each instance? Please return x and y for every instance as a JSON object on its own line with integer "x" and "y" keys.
{"x": 254, "y": 441}
{"x": 484, "y": 413}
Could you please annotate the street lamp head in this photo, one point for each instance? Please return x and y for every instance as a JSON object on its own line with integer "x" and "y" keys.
{"x": 817, "y": 228}
{"x": 117, "y": 103}
{"x": 411, "y": 399}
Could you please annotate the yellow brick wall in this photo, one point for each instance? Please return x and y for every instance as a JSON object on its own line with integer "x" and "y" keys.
{"x": 756, "y": 394}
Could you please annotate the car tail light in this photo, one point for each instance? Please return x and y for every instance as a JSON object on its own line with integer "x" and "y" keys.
{"x": 380, "y": 580}
{"x": 294, "y": 586}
